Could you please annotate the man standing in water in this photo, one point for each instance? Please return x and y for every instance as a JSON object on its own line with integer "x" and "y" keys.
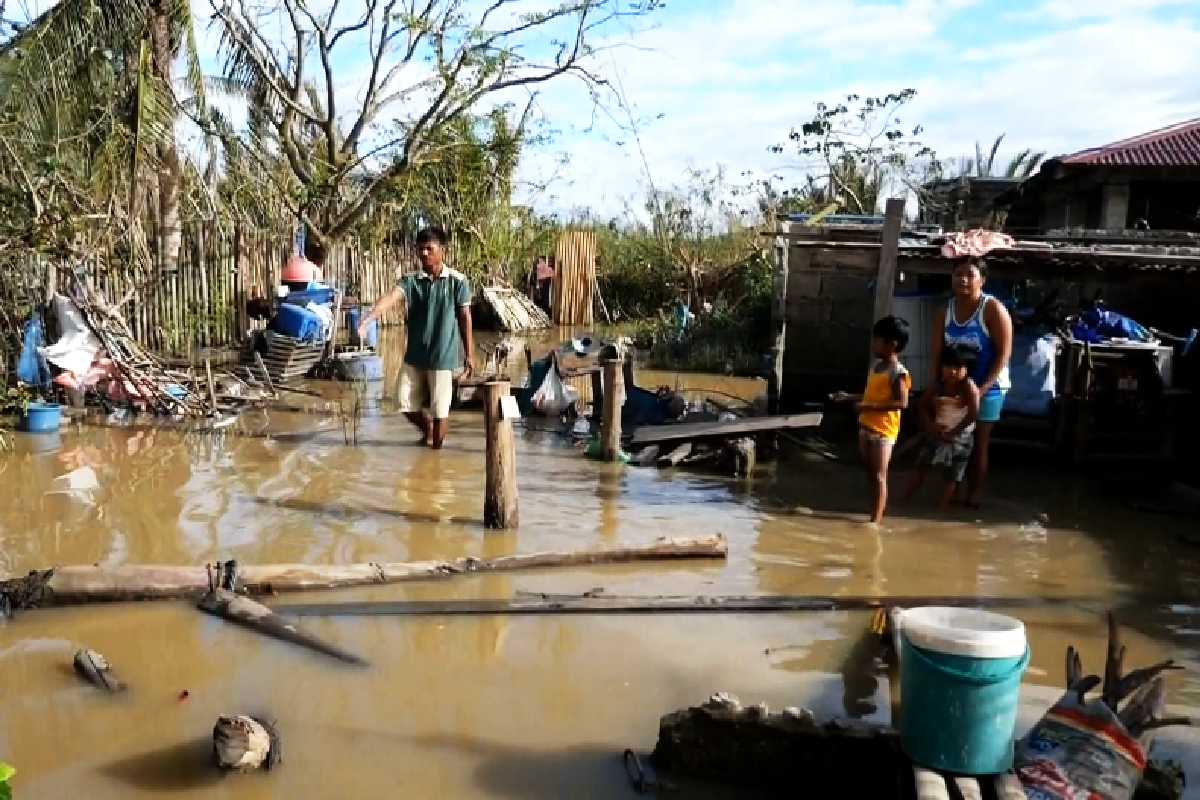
{"x": 438, "y": 301}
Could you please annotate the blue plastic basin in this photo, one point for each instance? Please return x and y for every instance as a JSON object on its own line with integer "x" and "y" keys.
{"x": 40, "y": 418}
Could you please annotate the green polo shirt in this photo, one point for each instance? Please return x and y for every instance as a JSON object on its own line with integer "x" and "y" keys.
{"x": 433, "y": 303}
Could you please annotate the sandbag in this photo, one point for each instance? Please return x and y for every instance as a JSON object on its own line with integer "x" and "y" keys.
{"x": 1079, "y": 751}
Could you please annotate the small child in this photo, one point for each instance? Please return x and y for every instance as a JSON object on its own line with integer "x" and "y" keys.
{"x": 948, "y": 415}
{"x": 879, "y": 406}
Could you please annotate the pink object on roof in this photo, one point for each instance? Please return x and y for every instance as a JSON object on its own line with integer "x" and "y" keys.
{"x": 299, "y": 268}
{"x": 978, "y": 242}
{"x": 1173, "y": 146}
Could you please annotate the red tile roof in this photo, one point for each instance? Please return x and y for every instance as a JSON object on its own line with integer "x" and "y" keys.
{"x": 1174, "y": 146}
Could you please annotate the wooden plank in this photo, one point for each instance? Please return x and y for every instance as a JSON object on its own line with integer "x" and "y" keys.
{"x": 930, "y": 785}
{"x": 968, "y": 788}
{"x": 653, "y": 434}
{"x": 1008, "y": 787}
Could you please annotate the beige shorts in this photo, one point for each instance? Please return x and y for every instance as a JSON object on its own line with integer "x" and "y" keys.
{"x": 426, "y": 388}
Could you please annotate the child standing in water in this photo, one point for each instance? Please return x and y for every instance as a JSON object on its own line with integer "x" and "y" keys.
{"x": 879, "y": 406}
{"x": 948, "y": 415}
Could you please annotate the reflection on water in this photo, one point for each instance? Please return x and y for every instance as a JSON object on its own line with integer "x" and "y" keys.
{"x": 503, "y": 707}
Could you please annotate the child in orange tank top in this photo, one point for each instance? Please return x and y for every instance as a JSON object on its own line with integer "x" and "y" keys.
{"x": 879, "y": 406}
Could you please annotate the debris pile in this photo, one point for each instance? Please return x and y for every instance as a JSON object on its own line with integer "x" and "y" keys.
{"x": 97, "y": 353}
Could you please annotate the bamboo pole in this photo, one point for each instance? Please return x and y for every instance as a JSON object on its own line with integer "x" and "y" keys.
{"x": 500, "y": 493}
{"x": 64, "y": 586}
{"x": 597, "y": 604}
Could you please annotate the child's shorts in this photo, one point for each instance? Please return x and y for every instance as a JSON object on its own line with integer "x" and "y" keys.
{"x": 875, "y": 439}
{"x": 952, "y": 456}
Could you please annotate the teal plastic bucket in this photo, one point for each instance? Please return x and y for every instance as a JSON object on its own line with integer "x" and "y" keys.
{"x": 960, "y": 679}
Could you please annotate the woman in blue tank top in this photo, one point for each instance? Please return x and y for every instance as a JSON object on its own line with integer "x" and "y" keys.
{"x": 979, "y": 323}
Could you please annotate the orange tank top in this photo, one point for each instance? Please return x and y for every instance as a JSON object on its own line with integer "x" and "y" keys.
{"x": 879, "y": 390}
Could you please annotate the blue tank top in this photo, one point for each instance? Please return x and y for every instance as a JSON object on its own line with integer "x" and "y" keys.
{"x": 973, "y": 335}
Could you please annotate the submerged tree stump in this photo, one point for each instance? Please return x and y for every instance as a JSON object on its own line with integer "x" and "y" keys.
{"x": 95, "y": 669}
{"x": 242, "y": 743}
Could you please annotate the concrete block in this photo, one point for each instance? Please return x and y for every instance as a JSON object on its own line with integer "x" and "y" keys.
{"x": 804, "y": 284}
{"x": 846, "y": 288}
{"x": 857, "y": 313}
{"x": 809, "y": 311}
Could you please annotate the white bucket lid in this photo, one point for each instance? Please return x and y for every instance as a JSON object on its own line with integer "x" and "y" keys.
{"x": 964, "y": 632}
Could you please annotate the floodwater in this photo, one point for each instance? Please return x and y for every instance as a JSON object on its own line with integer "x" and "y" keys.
{"x": 505, "y": 707}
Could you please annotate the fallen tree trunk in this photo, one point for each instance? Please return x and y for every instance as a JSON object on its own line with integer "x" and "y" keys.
{"x": 92, "y": 584}
{"x": 662, "y": 604}
{"x": 246, "y": 612}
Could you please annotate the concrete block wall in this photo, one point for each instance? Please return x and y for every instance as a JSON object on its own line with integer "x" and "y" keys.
{"x": 829, "y": 304}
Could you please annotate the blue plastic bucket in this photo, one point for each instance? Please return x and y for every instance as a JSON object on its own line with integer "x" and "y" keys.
{"x": 960, "y": 678}
{"x": 353, "y": 315}
{"x": 40, "y": 418}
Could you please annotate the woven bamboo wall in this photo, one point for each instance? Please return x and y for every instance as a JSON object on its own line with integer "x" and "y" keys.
{"x": 574, "y": 278}
{"x": 204, "y": 303}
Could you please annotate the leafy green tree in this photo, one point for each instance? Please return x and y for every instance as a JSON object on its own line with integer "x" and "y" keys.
{"x": 857, "y": 152}
{"x": 429, "y": 63}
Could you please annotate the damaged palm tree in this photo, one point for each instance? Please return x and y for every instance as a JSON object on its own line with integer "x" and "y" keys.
{"x": 1098, "y": 745}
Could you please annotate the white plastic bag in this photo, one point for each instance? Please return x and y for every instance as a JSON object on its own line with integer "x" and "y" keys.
{"x": 76, "y": 348}
{"x": 553, "y": 396}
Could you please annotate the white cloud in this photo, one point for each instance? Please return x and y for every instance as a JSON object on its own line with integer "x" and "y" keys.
{"x": 729, "y": 85}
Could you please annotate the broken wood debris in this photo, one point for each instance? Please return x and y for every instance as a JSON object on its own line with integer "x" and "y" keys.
{"x": 125, "y": 375}
{"x": 248, "y": 613}
{"x": 95, "y": 584}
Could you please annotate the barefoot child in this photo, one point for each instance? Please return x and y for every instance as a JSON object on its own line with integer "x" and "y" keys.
{"x": 948, "y": 415}
{"x": 879, "y": 406}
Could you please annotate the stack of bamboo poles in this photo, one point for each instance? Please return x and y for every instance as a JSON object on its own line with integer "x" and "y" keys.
{"x": 574, "y": 278}
{"x": 513, "y": 311}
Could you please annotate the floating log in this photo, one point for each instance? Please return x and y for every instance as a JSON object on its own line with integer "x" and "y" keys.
{"x": 594, "y": 603}
{"x": 242, "y": 743}
{"x": 244, "y": 611}
{"x": 655, "y": 434}
{"x": 94, "y": 584}
{"x": 95, "y": 669}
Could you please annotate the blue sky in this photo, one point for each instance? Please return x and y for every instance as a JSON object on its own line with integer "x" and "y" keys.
{"x": 729, "y": 78}
{"x": 714, "y": 83}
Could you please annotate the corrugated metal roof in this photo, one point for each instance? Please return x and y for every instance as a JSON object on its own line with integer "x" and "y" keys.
{"x": 1174, "y": 146}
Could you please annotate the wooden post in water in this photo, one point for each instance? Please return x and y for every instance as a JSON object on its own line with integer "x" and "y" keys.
{"x": 597, "y": 396}
{"x": 885, "y": 282}
{"x": 610, "y": 424}
{"x": 500, "y": 493}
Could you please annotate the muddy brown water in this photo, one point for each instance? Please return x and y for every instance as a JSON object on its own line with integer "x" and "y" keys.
{"x": 528, "y": 707}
